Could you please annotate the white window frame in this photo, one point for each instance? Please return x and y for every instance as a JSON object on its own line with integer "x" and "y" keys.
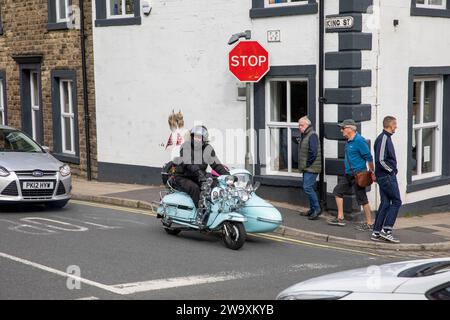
{"x": 284, "y": 4}
{"x": 117, "y": 16}
{"x": 427, "y": 5}
{"x": 288, "y": 125}
{"x": 437, "y": 124}
{"x": 2, "y": 103}
{"x": 35, "y": 105}
{"x": 65, "y": 115}
{"x": 66, "y": 18}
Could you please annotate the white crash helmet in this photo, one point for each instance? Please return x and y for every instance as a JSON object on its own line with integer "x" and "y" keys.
{"x": 200, "y": 131}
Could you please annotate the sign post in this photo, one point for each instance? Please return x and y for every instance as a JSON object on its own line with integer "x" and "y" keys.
{"x": 248, "y": 61}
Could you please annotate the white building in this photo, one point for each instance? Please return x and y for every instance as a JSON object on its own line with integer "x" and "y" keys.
{"x": 391, "y": 58}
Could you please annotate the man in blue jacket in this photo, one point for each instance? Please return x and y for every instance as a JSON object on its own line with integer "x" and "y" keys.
{"x": 386, "y": 173}
{"x": 357, "y": 156}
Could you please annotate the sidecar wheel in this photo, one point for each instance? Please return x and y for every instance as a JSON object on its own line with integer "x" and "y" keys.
{"x": 236, "y": 236}
{"x": 172, "y": 232}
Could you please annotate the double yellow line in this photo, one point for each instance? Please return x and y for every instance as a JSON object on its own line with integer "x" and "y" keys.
{"x": 271, "y": 237}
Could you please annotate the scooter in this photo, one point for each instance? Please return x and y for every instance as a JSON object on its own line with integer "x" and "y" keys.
{"x": 230, "y": 207}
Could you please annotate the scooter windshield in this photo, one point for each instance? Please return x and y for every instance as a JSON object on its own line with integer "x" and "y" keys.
{"x": 243, "y": 179}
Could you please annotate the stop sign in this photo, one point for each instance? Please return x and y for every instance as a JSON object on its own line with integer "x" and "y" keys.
{"x": 248, "y": 61}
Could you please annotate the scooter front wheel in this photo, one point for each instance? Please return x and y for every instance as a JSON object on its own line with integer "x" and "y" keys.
{"x": 233, "y": 235}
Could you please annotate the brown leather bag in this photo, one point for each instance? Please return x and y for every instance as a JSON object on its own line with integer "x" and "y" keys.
{"x": 363, "y": 178}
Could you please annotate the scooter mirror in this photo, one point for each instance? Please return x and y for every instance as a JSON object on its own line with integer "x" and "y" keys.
{"x": 256, "y": 186}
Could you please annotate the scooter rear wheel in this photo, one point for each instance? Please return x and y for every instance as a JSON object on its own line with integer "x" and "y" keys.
{"x": 233, "y": 235}
{"x": 172, "y": 232}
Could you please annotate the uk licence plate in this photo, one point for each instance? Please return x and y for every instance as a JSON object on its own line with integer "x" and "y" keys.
{"x": 37, "y": 185}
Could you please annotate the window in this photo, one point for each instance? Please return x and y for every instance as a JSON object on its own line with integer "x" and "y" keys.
{"x": 440, "y": 293}
{"x": 276, "y": 8}
{"x": 427, "y": 128}
{"x": 285, "y": 2}
{"x": 432, "y": 4}
{"x": 62, "y": 10}
{"x": 431, "y": 8}
{"x": 34, "y": 98}
{"x": 286, "y": 102}
{"x": 120, "y": 8}
{"x": 117, "y": 12}
{"x": 2, "y": 102}
{"x": 59, "y": 14}
{"x": 67, "y": 117}
{"x": 1, "y": 24}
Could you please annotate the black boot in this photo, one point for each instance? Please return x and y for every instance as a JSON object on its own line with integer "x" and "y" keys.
{"x": 315, "y": 215}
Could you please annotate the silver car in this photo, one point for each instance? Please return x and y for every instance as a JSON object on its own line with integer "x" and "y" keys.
{"x": 29, "y": 173}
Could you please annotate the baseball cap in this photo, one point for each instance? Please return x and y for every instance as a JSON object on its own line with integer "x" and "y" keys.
{"x": 347, "y": 122}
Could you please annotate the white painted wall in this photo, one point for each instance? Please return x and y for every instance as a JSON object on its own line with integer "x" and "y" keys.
{"x": 417, "y": 41}
{"x": 178, "y": 59}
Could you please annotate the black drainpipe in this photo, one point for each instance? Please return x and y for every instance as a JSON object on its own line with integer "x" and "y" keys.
{"x": 85, "y": 94}
{"x": 322, "y": 190}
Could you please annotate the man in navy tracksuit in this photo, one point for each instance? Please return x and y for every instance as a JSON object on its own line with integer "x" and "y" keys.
{"x": 386, "y": 173}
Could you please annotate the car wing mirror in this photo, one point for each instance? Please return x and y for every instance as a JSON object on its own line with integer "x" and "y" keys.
{"x": 46, "y": 149}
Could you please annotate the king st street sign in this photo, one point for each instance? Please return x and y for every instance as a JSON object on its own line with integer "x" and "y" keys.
{"x": 339, "y": 22}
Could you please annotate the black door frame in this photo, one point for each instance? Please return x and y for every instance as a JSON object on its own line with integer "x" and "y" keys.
{"x": 28, "y": 64}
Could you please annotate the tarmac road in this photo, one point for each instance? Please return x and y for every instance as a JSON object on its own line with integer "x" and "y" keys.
{"x": 93, "y": 251}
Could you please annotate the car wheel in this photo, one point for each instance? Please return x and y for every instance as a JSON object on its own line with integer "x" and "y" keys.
{"x": 57, "y": 204}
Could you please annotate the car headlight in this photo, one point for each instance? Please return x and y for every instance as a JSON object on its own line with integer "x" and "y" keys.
{"x": 313, "y": 295}
{"x": 4, "y": 172}
{"x": 64, "y": 170}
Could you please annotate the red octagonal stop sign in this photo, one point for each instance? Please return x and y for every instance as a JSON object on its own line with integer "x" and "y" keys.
{"x": 248, "y": 61}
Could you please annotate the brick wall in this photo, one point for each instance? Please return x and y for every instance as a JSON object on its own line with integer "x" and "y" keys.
{"x": 25, "y": 33}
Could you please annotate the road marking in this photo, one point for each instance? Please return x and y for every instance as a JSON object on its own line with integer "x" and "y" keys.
{"x": 312, "y": 266}
{"x": 88, "y": 298}
{"x": 312, "y": 244}
{"x": 48, "y": 223}
{"x": 135, "y": 287}
{"x": 152, "y": 285}
{"x": 60, "y": 273}
{"x": 271, "y": 237}
{"x": 113, "y": 207}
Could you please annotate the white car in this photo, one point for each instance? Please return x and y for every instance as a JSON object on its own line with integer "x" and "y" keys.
{"x": 408, "y": 280}
{"x": 29, "y": 173}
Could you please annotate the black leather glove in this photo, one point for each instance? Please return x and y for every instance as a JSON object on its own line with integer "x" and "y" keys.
{"x": 202, "y": 176}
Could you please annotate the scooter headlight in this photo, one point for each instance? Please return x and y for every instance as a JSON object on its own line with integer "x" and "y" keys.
{"x": 244, "y": 196}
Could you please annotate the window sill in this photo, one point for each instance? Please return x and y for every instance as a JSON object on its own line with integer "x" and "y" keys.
{"x": 280, "y": 181}
{"x": 309, "y": 8}
{"x": 57, "y": 26}
{"x": 118, "y": 22}
{"x": 427, "y": 184}
{"x": 428, "y": 12}
{"x": 67, "y": 158}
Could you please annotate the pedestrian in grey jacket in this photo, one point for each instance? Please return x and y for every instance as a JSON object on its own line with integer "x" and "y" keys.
{"x": 309, "y": 164}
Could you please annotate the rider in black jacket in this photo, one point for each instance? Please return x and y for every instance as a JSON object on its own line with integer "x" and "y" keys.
{"x": 195, "y": 156}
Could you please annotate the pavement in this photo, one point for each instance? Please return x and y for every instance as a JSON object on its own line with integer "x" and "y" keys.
{"x": 428, "y": 232}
